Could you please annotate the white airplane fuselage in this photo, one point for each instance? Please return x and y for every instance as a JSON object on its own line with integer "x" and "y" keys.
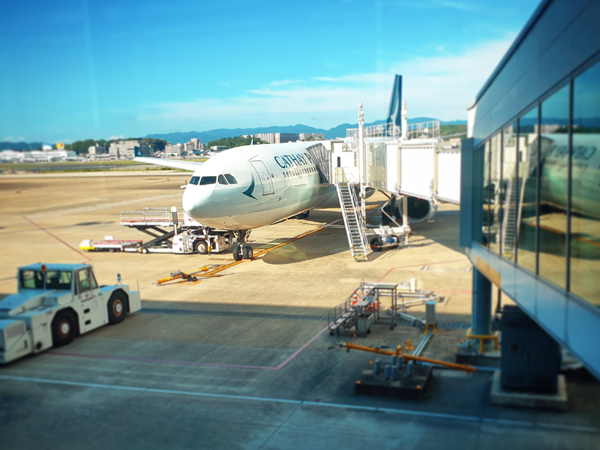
{"x": 272, "y": 182}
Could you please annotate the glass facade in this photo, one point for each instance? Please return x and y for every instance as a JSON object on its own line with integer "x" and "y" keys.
{"x": 509, "y": 192}
{"x": 554, "y": 159}
{"x": 585, "y": 187}
{"x": 541, "y": 188}
{"x": 528, "y": 176}
{"x": 488, "y": 195}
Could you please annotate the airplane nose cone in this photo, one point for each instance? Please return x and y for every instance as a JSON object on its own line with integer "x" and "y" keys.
{"x": 197, "y": 202}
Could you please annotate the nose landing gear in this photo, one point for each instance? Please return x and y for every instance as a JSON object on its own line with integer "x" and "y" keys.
{"x": 241, "y": 250}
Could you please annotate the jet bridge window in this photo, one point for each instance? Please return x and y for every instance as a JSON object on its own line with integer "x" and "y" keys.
{"x": 194, "y": 180}
{"x": 230, "y": 178}
{"x": 208, "y": 180}
{"x": 222, "y": 180}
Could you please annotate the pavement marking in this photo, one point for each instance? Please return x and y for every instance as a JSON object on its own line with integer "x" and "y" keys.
{"x": 260, "y": 253}
{"x": 407, "y": 412}
{"x": 421, "y": 265}
{"x": 195, "y": 363}
{"x": 57, "y": 238}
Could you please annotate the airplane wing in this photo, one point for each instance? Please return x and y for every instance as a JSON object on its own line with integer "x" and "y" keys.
{"x": 183, "y": 165}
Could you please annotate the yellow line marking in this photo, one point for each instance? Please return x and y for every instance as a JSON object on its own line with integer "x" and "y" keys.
{"x": 212, "y": 273}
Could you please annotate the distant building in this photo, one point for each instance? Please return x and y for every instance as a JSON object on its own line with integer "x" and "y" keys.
{"x": 48, "y": 156}
{"x": 195, "y": 145}
{"x": 11, "y": 156}
{"x": 311, "y": 136}
{"x": 124, "y": 149}
{"x": 95, "y": 150}
{"x": 174, "y": 150}
{"x": 146, "y": 149}
{"x": 277, "y": 138}
{"x": 218, "y": 148}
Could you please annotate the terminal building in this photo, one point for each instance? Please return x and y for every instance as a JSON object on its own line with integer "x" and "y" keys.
{"x": 530, "y": 194}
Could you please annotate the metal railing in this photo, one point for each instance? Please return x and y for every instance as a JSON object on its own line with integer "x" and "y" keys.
{"x": 384, "y": 132}
{"x": 423, "y": 130}
{"x": 151, "y": 216}
{"x": 392, "y": 132}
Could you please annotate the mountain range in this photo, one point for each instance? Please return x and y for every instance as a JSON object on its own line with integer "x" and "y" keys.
{"x": 339, "y": 131}
{"x": 213, "y": 135}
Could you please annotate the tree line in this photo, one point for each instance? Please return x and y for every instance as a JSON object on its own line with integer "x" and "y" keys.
{"x": 231, "y": 142}
{"x": 81, "y": 147}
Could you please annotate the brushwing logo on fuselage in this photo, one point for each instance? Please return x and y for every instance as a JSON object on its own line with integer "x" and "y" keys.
{"x": 248, "y": 192}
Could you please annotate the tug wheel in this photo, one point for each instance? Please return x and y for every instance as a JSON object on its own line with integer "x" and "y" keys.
{"x": 117, "y": 307}
{"x": 63, "y": 328}
{"x": 201, "y": 247}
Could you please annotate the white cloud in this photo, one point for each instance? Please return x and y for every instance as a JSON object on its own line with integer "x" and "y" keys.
{"x": 284, "y": 82}
{"x": 12, "y": 139}
{"x": 440, "y": 86}
{"x": 112, "y": 138}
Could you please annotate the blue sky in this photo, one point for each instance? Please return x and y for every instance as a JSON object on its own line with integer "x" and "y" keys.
{"x": 82, "y": 69}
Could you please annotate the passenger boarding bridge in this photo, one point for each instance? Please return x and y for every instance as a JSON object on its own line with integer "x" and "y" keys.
{"x": 411, "y": 162}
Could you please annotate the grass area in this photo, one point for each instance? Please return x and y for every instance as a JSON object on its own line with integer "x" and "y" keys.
{"x": 452, "y": 129}
{"x": 88, "y": 166}
{"x": 66, "y": 165}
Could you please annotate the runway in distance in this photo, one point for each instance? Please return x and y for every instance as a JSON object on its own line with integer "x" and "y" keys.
{"x": 253, "y": 186}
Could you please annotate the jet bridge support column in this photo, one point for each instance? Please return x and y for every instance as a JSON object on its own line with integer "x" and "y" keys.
{"x": 481, "y": 319}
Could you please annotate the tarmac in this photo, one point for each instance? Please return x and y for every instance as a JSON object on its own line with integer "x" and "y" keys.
{"x": 244, "y": 359}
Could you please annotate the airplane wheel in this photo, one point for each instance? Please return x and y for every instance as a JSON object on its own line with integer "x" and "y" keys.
{"x": 63, "y": 328}
{"x": 117, "y": 308}
{"x": 376, "y": 244}
{"x": 248, "y": 252}
{"x": 305, "y": 215}
{"x": 201, "y": 247}
{"x": 237, "y": 251}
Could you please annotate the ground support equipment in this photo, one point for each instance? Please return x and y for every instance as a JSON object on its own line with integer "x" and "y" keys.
{"x": 402, "y": 378}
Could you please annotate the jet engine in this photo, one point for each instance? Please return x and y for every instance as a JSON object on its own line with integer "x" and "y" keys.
{"x": 418, "y": 210}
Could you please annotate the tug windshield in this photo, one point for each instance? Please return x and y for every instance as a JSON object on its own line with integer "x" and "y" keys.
{"x": 54, "y": 279}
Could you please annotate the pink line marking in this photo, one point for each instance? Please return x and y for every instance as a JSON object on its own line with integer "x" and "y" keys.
{"x": 190, "y": 363}
{"x": 297, "y": 352}
{"x": 57, "y": 238}
{"x": 420, "y": 265}
{"x": 7, "y": 282}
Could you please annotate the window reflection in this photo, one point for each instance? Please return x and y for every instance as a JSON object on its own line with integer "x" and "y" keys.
{"x": 585, "y": 193}
{"x": 495, "y": 213}
{"x": 553, "y": 187}
{"x": 486, "y": 197}
{"x": 510, "y": 193}
{"x": 527, "y": 209}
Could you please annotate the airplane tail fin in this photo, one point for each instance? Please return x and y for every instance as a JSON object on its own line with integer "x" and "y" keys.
{"x": 394, "y": 114}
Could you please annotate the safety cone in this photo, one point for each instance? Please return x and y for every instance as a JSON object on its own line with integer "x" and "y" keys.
{"x": 354, "y": 299}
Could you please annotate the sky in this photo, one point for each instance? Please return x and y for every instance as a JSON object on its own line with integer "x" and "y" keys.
{"x": 80, "y": 69}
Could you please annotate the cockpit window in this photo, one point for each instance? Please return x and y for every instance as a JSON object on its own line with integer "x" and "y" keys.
{"x": 230, "y": 178}
{"x": 194, "y": 180}
{"x": 208, "y": 180}
{"x": 222, "y": 180}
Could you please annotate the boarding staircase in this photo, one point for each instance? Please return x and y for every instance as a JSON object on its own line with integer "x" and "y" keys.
{"x": 353, "y": 220}
{"x": 512, "y": 215}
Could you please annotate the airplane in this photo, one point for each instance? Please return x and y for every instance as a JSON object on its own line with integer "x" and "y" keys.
{"x": 256, "y": 185}
{"x": 252, "y": 186}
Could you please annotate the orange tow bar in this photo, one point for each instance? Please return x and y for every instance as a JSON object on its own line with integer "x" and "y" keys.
{"x": 398, "y": 352}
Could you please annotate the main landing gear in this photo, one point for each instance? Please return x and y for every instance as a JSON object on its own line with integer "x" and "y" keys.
{"x": 241, "y": 250}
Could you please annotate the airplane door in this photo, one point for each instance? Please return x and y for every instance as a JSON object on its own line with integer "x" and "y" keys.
{"x": 264, "y": 176}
